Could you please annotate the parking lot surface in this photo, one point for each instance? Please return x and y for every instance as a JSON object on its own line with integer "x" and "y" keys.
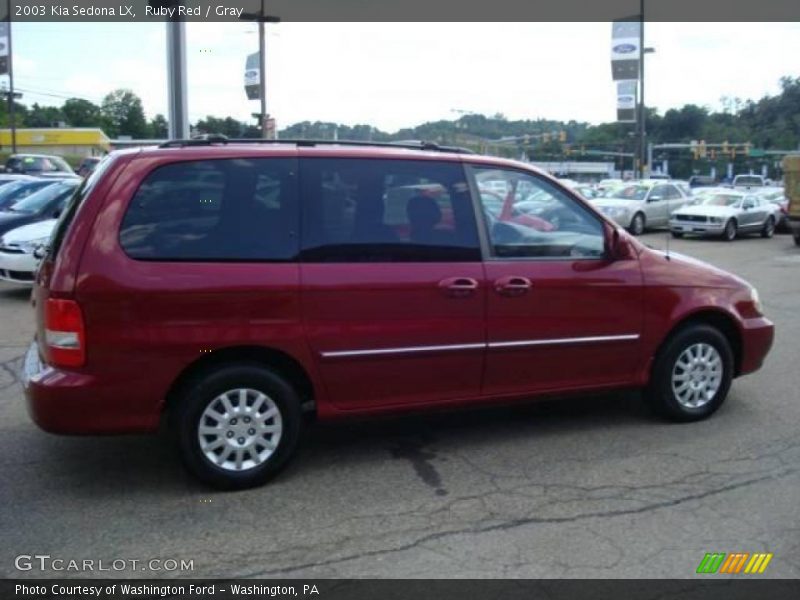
{"x": 588, "y": 487}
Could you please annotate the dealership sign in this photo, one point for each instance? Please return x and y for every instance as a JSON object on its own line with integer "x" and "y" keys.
{"x": 625, "y": 50}
{"x": 626, "y": 101}
{"x": 252, "y": 78}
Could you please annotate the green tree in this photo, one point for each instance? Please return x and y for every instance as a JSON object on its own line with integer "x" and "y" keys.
{"x": 81, "y": 113}
{"x": 44, "y": 116}
{"x": 123, "y": 114}
{"x": 158, "y": 127}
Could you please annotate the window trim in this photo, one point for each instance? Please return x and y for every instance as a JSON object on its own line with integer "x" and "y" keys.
{"x": 487, "y": 248}
{"x": 306, "y": 205}
{"x": 297, "y": 233}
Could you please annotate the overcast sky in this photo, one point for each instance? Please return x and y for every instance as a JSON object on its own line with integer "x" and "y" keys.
{"x": 394, "y": 75}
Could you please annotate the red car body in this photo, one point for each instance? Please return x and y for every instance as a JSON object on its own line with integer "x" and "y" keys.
{"x": 344, "y": 333}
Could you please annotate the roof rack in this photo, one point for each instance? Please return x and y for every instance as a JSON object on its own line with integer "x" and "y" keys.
{"x": 211, "y": 139}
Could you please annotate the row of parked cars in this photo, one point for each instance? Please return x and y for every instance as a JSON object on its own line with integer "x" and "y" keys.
{"x": 747, "y": 206}
{"x": 34, "y": 189}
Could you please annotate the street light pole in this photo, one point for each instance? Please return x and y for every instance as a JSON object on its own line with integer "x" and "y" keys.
{"x": 262, "y": 72}
{"x": 12, "y": 119}
{"x": 262, "y": 19}
{"x": 642, "y": 132}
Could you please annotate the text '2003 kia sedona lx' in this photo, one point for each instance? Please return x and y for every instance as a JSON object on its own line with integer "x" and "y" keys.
{"x": 237, "y": 288}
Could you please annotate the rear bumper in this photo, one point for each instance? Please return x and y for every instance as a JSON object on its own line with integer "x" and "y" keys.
{"x": 69, "y": 402}
{"x": 757, "y": 337}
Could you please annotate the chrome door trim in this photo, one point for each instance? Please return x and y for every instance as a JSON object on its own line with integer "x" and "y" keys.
{"x": 402, "y": 350}
{"x": 479, "y": 346}
{"x": 561, "y": 341}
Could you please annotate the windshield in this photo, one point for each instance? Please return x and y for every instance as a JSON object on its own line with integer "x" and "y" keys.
{"x": 747, "y": 180}
{"x": 20, "y": 189}
{"x": 720, "y": 200}
{"x": 41, "y": 199}
{"x": 627, "y": 192}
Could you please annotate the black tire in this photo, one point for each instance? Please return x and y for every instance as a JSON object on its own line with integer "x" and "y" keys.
{"x": 638, "y": 224}
{"x": 660, "y": 393}
{"x": 797, "y": 239}
{"x": 729, "y": 233}
{"x": 201, "y": 393}
{"x": 769, "y": 228}
{"x": 677, "y": 234}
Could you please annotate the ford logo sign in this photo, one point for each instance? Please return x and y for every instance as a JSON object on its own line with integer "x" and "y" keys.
{"x": 624, "y": 48}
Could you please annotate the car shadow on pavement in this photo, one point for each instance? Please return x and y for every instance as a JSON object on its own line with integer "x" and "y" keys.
{"x": 139, "y": 465}
{"x": 13, "y": 293}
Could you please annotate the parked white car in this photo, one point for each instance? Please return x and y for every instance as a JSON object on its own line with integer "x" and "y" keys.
{"x": 640, "y": 205}
{"x": 727, "y": 214}
{"x": 17, "y": 262}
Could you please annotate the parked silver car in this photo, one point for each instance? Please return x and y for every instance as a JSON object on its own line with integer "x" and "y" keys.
{"x": 726, "y": 214}
{"x": 640, "y": 205}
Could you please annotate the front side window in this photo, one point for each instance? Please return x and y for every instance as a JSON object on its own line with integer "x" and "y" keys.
{"x": 215, "y": 210}
{"x": 376, "y": 210}
{"x": 535, "y": 219}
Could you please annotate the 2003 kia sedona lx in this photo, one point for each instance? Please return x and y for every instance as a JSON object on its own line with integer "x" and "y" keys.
{"x": 237, "y": 288}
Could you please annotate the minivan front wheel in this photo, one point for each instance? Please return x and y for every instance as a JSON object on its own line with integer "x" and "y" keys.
{"x": 692, "y": 374}
{"x": 238, "y": 426}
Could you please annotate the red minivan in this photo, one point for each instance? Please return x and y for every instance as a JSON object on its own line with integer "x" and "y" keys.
{"x": 236, "y": 289}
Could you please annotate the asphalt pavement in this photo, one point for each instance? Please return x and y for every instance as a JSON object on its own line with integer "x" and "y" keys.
{"x": 588, "y": 487}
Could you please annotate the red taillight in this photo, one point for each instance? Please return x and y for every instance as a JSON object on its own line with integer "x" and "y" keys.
{"x": 65, "y": 342}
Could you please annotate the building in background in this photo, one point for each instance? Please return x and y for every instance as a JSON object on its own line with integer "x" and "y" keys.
{"x": 76, "y": 141}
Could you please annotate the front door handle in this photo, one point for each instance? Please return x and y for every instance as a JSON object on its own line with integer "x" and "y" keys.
{"x": 458, "y": 287}
{"x": 512, "y": 285}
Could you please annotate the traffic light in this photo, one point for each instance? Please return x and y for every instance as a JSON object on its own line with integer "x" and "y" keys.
{"x": 725, "y": 149}
{"x": 702, "y": 149}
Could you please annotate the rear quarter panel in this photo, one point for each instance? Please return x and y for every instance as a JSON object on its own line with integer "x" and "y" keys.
{"x": 147, "y": 321}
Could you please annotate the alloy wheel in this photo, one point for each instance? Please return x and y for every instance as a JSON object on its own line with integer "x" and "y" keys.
{"x": 240, "y": 429}
{"x": 697, "y": 375}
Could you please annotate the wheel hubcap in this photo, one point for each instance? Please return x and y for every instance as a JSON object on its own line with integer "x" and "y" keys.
{"x": 697, "y": 375}
{"x": 240, "y": 429}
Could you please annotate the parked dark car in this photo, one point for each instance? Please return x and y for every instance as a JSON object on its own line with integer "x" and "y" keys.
{"x": 702, "y": 181}
{"x": 41, "y": 165}
{"x": 19, "y": 190}
{"x": 238, "y": 289}
{"x": 46, "y": 203}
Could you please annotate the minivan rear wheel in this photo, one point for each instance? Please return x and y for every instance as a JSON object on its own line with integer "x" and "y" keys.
{"x": 238, "y": 426}
{"x": 692, "y": 374}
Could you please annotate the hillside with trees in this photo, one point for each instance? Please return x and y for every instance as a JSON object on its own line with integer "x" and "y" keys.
{"x": 773, "y": 122}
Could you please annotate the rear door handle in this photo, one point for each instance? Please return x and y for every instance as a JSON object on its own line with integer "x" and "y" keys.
{"x": 458, "y": 287}
{"x": 512, "y": 285}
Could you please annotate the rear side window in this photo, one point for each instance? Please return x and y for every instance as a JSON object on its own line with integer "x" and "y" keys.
{"x": 375, "y": 210}
{"x": 215, "y": 210}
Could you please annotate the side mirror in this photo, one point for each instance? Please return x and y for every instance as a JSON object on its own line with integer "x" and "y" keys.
{"x": 56, "y": 213}
{"x": 40, "y": 252}
{"x": 615, "y": 246}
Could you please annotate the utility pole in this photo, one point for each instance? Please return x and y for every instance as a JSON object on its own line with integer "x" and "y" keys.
{"x": 641, "y": 110}
{"x": 262, "y": 73}
{"x": 12, "y": 119}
